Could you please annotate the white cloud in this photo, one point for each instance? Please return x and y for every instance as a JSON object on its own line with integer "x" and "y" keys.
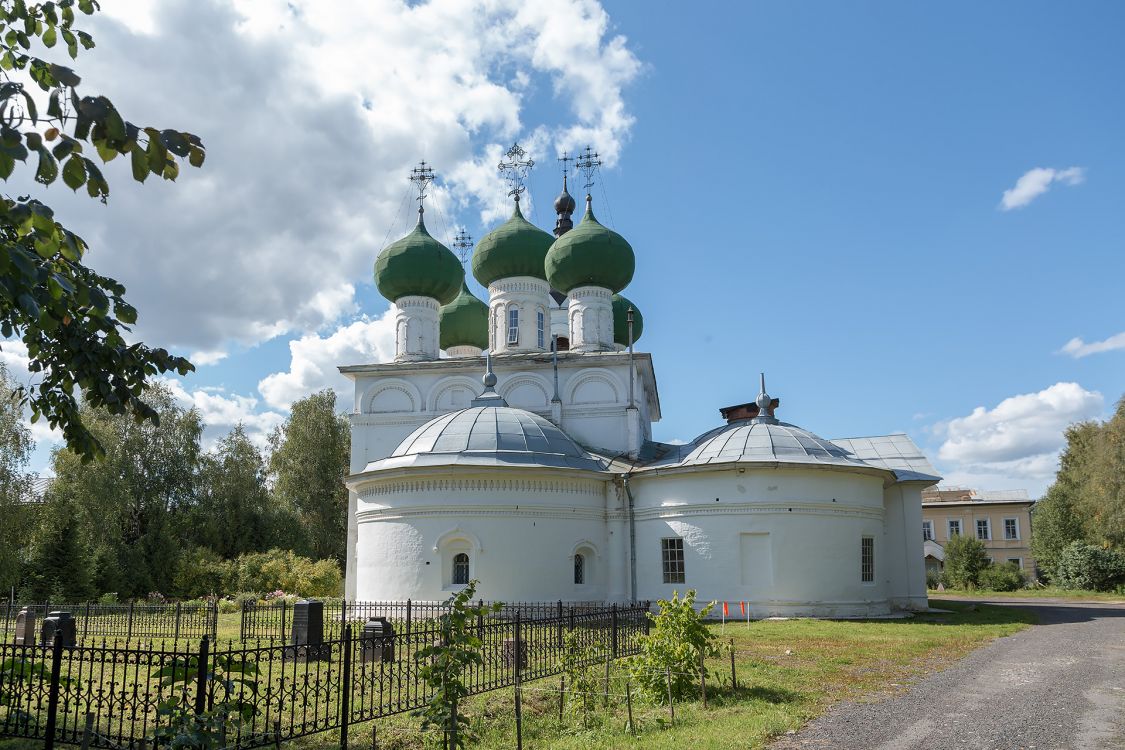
{"x": 1078, "y": 348}
{"x": 221, "y": 411}
{"x": 1037, "y": 181}
{"x": 1015, "y": 444}
{"x": 13, "y": 354}
{"x": 205, "y": 358}
{"x": 314, "y": 359}
{"x": 311, "y": 124}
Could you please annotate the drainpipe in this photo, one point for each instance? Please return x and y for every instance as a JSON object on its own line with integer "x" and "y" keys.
{"x": 632, "y": 539}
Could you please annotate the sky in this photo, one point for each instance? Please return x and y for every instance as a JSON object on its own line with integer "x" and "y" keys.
{"x": 907, "y": 215}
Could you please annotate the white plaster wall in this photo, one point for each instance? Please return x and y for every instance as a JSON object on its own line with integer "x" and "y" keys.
{"x": 909, "y": 589}
{"x": 813, "y": 519}
{"x": 520, "y": 530}
{"x": 530, "y": 297}
{"x": 590, "y": 319}
{"x": 416, "y": 328}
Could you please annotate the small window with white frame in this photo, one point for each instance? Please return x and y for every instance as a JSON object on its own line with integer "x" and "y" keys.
{"x": 984, "y": 529}
{"x": 1011, "y": 529}
{"x": 927, "y": 531}
{"x": 513, "y": 325}
{"x": 954, "y": 527}
{"x": 672, "y": 559}
{"x": 460, "y": 569}
{"x": 867, "y": 559}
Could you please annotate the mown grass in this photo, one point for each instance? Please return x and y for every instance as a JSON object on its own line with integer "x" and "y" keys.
{"x": 788, "y": 671}
{"x": 1047, "y": 592}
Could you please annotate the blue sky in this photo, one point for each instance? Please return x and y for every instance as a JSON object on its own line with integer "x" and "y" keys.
{"x": 812, "y": 189}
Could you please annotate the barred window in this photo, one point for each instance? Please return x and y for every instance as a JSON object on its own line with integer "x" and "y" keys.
{"x": 672, "y": 558}
{"x": 460, "y": 568}
{"x": 579, "y": 569}
{"x": 867, "y": 559}
{"x": 513, "y": 325}
{"x": 539, "y": 327}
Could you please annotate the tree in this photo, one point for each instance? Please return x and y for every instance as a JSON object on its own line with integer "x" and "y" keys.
{"x": 1088, "y": 566}
{"x": 15, "y": 484}
{"x": 125, "y": 503}
{"x": 231, "y": 512}
{"x": 1056, "y": 524}
{"x": 309, "y": 461}
{"x": 73, "y": 321}
{"x": 57, "y": 567}
{"x": 671, "y": 654}
{"x": 965, "y": 558}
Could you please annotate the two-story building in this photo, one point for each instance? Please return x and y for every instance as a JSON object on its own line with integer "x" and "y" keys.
{"x": 1000, "y": 519}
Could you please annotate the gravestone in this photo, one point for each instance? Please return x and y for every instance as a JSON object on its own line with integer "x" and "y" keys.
{"x": 307, "y": 634}
{"x": 59, "y": 622}
{"x": 25, "y": 627}
{"x": 378, "y": 640}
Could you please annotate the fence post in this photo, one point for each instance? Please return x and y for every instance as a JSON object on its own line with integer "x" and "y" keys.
{"x": 86, "y": 622}
{"x": 213, "y": 606}
{"x": 733, "y": 676}
{"x": 284, "y": 612}
{"x": 129, "y": 627}
{"x": 201, "y": 676}
{"x": 519, "y": 667}
{"x": 613, "y": 637}
{"x": 702, "y": 678}
{"x": 560, "y": 625}
{"x": 346, "y": 687}
{"x": 177, "y": 635}
{"x": 53, "y": 690}
{"x": 408, "y": 617}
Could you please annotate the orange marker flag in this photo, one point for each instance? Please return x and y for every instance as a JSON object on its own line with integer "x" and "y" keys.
{"x": 726, "y": 612}
{"x": 743, "y": 606}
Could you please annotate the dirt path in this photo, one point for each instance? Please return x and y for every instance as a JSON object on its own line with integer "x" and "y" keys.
{"x": 1058, "y": 685}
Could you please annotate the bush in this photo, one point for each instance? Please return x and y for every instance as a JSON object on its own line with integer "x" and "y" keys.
{"x": 1087, "y": 566}
{"x": 933, "y": 578}
{"x": 201, "y": 573}
{"x": 1004, "y": 577}
{"x": 108, "y": 598}
{"x": 282, "y": 569}
{"x": 965, "y": 558}
{"x": 677, "y": 638}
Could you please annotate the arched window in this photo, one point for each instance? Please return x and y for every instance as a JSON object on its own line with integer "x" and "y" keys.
{"x": 513, "y": 325}
{"x": 580, "y": 569}
{"x": 460, "y": 569}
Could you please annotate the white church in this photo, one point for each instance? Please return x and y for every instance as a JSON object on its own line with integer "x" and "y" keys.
{"x": 533, "y": 469}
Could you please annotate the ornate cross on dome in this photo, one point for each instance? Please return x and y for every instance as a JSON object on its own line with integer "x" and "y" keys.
{"x": 587, "y": 163}
{"x": 515, "y": 170}
{"x": 566, "y": 159}
{"x": 463, "y": 242}
{"x": 422, "y": 175}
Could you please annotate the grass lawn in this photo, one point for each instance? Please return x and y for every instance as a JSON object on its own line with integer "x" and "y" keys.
{"x": 827, "y": 661}
{"x": 1047, "y": 592}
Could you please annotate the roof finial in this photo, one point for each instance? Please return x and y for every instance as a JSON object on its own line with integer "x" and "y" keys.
{"x": 564, "y": 204}
{"x": 422, "y": 175}
{"x": 764, "y": 402}
{"x": 489, "y": 396}
{"x": 463, "y": 242}
{"x": 515, "y": 170}
{"x": 588, "y": 164}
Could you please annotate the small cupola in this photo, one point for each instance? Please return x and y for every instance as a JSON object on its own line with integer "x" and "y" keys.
{"x": 760, "y": 408}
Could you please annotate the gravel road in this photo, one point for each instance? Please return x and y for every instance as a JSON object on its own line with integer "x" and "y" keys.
{"x": 1057, "y": 686}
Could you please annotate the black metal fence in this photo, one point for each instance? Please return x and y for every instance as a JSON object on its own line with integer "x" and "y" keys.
{"x": 108, "y": 695}
{"x": 130, "y": 621}
{"x": 273, "y": 621}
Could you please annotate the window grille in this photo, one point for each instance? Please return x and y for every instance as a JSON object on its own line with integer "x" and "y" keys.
{"x": 460, "y": 569}
{"x": 672, "y": 558}
{"x": 867, "y": 559}
{"x": 513, "y": 325}
{"x": 1011, "y": 528}
{"x": 579, "y": 569}
{"x": 539, "y": 328}
{"x": 983, "y": 532}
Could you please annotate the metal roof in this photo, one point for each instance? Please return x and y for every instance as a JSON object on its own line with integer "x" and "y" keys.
{"x": 754, "y": 440}
{"x": 489, "y": 436}
{"x": 895, "y": 452}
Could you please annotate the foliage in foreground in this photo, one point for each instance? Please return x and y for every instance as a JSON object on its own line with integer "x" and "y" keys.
{"x": 1087, "y": 566}
{"x": 1002, "y": 577}
{"x": 669, "y": 658}
{"x": 72, "y": 321}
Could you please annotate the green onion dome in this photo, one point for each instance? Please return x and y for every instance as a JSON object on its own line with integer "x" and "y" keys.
{"x": 515, "y": 248}
{"x": 590, "y": 255}
{"x": 464, "y": 321}
{"x": 621, "y": 307}
{"x": 418, "y": 265}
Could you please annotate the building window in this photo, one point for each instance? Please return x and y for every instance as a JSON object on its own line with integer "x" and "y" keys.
{"x": 867, "y": 559}
{"x": 1011, "y": 528}
{"x": 927, "y": 531}
{"x": 579, "y": 569}
{"x": 460, "y": 569}
{"x": 539, "y": 328}
{"x": 954, "y": 528}
{"x": 513, "y": 325}
{"x": 984, "y": 530}
{"x": 672, "y": 558}
{"x": 1017, "y": 560}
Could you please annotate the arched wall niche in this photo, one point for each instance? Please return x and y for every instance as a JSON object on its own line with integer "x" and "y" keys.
{"x": 527, "y": 391}
{"x": 451, "y": 394}
{"x": 391, "y": 397}
{"x": 598, "y": 386}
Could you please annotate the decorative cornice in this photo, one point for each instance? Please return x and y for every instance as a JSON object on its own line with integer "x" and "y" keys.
{"x": 462, "y": 510}
{"x": 549, "y": 486}
{"x": 733, "y": 509}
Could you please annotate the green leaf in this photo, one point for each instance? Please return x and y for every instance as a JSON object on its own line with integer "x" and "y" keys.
{"x": 34, "y": 141}
{"x": 140, "y": 165}
{"x": 48, "y": 168}
{"x": 196, "y": 156}
{"x": 65, "y": 76}
{"x": 7, "y": 164}
{"x": 63, "y": 148}
{"x": 107, "y": 152}
{"x": 74, "y": 172}
{"x": 54, "y": 109}
{"x": 49, "y": 37}
{"x": 28, "y": 304}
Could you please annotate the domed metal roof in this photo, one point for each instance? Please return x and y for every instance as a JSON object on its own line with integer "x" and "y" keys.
{"x": 620, "y": 306}
{"x": 590, "y": 255}
{"x": 489, "y": 436}
{"x": 763, "y": 441}
{"x": 515, "y": 248}
{"x": 464, "y": 321}
{"x": 419, "y": 265}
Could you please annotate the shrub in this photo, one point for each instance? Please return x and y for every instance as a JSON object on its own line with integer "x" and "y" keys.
{"x": 108, "y": 598}
{"x": 1004, "y": 577}
{"x": 201, "y": 573}
{"x": 675, "y": 641}
{"x": 933, "y": 578}
{"x": 1087, "y": 566}
{"x": 965, "y": 558}
{"x": 282, "y": 569}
